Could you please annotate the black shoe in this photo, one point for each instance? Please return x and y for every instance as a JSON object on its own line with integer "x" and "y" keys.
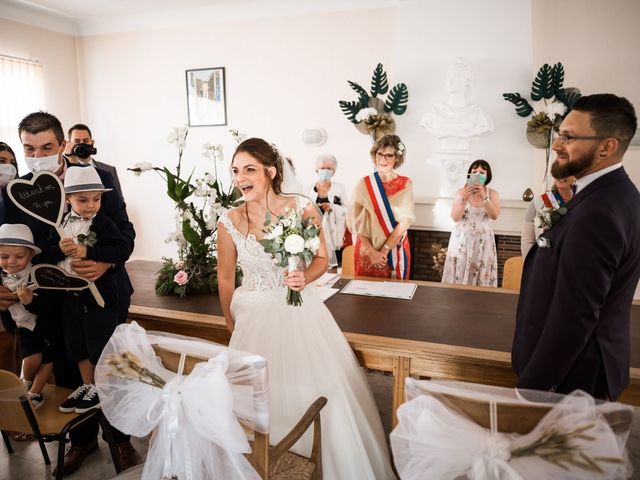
{"x": 37, "y": 399}
{"x": 69, "y": 405}
{"x": 89, "y": 401}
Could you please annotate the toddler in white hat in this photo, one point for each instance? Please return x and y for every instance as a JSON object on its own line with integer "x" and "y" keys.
{"x": 16, "y": 250}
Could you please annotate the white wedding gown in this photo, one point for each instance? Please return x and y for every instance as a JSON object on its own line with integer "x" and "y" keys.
{"x": 307, "y": 357}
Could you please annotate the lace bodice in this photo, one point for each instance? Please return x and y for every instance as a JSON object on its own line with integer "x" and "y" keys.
{"x": 259, "y": 271}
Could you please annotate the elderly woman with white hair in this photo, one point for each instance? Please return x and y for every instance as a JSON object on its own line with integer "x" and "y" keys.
{"x": 331, "y": 197}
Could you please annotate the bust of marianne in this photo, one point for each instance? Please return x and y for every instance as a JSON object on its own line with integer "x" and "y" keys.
{"x": 457, "y": 117}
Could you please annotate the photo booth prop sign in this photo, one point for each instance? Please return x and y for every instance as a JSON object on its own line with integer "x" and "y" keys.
{"x": 52, "y": 277}
{"x": 42, "y": 197}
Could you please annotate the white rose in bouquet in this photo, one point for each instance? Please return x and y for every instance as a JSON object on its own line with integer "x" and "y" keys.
{"x": 313, "y": 244}
{"x": 294, "y": 244}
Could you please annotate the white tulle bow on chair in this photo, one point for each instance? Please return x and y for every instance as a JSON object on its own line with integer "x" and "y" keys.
{"x": 195, "y": 417}
{"x": 436, "y": 438}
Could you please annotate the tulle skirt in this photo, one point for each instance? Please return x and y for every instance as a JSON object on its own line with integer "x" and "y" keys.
{"x": 307, "y": 357}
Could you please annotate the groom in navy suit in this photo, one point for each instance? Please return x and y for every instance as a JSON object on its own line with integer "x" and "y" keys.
{"x": 572, "y": 325}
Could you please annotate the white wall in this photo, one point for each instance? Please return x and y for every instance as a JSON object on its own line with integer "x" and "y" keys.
{"x": 57, "y": 54}
{"x": 287, "y": 74}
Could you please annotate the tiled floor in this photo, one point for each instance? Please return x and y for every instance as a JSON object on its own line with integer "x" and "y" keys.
{"x": 27, "y": 463}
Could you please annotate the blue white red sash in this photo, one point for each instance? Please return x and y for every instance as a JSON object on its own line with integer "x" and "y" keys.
{"x": 397, "y": 257}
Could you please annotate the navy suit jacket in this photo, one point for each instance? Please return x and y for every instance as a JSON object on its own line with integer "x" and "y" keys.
{"x": 572, "y": 325}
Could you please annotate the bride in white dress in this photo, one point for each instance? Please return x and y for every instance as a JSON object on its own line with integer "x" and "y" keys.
{"x": 307, "y": 354}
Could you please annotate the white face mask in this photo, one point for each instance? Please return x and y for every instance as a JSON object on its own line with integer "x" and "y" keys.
{"x": 43, "y": 164}
{"x": 7, "y": 173}
{"x": 325, "y": 174}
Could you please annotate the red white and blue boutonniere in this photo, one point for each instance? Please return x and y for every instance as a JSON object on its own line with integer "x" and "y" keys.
{"x": 552, "y": 212}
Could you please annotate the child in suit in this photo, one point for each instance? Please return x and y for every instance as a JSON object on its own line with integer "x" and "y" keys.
{"x": 16, "y": 250}
{"x": 92, "y": 235}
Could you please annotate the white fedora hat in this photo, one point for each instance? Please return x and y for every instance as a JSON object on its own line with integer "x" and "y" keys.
{"x": 18, "y": 235}
{"x": 83, "y": 179}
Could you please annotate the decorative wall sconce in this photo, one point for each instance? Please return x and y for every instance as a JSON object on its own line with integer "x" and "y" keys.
{"x": 314, "y": 137}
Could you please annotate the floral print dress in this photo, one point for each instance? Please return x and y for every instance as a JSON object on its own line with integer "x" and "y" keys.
{"x": 471, "y": 255}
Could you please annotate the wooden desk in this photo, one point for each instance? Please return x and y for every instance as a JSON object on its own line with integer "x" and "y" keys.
{"x": 445, "y": 332}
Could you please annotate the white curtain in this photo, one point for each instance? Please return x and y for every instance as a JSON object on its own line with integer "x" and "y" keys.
{"x": 21, "y": 92}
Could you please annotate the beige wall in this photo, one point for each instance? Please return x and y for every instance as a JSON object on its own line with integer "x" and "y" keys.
{"x": 597, "y": 42}
{"x": 57, "y": 54}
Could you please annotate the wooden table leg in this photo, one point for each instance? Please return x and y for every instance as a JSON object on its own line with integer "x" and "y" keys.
{"x": 401, "y": 370}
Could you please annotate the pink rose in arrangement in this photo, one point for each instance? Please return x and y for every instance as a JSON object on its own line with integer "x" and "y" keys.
{"x": 181, "y": 278}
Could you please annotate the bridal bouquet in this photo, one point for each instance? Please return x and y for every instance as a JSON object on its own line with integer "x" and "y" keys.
{"x": 291, "y": 240}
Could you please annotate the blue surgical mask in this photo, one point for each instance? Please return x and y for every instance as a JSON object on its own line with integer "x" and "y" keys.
{"x": 482, "y": 177}
{"x": 325, "y": 174}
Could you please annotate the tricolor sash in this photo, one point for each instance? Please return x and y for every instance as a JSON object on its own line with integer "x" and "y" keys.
{"x": 397, "y": 257}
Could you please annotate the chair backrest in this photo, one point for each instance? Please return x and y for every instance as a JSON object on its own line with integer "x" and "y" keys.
{"x": 512, "y": 275}
{"x": 12, "y": 415}
{"x": 348, "y": 267}
{"x": 171, "y": 360}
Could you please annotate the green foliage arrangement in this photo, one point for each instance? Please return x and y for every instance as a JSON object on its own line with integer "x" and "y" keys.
{"x": 370, "y": 113}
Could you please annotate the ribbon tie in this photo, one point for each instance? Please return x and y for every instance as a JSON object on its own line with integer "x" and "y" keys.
{"x": 197, "y": 434}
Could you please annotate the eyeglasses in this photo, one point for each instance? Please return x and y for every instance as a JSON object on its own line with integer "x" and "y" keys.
{"x": 386, "y": 156}
{"x": 565, "y": 138}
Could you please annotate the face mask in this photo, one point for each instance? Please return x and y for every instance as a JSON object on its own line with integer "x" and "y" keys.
{"x": 482, "y": 177}
{"x": 325, "y": 174}
{"x": 7, "y": 173}
{"x": 43, "y": 164}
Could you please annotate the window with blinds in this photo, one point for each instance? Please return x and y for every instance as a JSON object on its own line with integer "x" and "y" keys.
{"x": 21, "y": 92}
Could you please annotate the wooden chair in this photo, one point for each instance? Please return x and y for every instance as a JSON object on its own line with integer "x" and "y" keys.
{"x": 271, "y": 462}
{"x": 348, "y": 267}
{"x": 513, "y": 415}
{"x": 47, "y": 424}
{"x": 512, "y": 275}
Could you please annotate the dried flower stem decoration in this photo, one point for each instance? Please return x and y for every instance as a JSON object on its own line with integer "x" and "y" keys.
{"x": 557, "y": 448}
{"x": 126, "y": 365}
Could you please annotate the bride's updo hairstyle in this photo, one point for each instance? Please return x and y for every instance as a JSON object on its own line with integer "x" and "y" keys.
{"x": 267, "y": 155}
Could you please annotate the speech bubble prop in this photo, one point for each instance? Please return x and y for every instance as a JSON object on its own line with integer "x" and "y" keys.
{"x": 52, "y": 277}
{"x": 42, "y": 197}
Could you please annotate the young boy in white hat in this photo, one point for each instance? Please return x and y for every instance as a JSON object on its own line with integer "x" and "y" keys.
{"x": 16, "y": 250}
{"x": 91, "y": 235}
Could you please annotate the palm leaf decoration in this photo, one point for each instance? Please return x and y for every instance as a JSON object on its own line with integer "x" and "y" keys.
{"x": 568, "y": 96}
{"x": 557, "y": 73}
{"x": 542, "y": 85}
{"x": 397, "y": 99}
{"x": 379, "y": 84}
{"x": 350, "y": 109}
{"x": 523, "y": 108}
{"x": 363, "y": 96}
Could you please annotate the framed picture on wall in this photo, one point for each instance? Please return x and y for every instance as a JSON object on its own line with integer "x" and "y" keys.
{"x": 206, "y": 99}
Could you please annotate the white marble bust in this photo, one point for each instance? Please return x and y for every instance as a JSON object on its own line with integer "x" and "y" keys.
{"x": 457, "y": 117}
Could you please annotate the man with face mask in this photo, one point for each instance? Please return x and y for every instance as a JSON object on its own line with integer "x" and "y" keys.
{"x": 43, "y": 144}
{"x": 573, "y": 319}
{"x": 80, "y": 134}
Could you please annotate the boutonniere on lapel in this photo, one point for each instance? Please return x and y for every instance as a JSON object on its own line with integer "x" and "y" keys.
{"x": 87, "y": 240}
{"x": 552, "y": 212}
{"x": 336, "y": 200}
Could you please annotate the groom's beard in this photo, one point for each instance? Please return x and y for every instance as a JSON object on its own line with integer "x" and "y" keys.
{"x": 574, "y": 167}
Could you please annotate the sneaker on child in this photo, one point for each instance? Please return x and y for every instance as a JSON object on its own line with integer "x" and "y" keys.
{"x": 89, "y": 401}
{"x": 70, "y": 404}
{"x": 37, "y": 399}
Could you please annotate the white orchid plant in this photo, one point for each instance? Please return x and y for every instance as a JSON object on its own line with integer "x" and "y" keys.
{"x": 290, "y": 239}
{"x": 198, "y": 203}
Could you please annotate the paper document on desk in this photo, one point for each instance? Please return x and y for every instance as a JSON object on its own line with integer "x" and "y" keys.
{"x": 327, "y": 279}
{"x": 401, "y": 290}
